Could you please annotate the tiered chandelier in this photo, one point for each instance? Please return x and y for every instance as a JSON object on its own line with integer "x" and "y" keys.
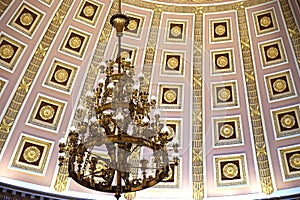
{"x": 122, "y": 146}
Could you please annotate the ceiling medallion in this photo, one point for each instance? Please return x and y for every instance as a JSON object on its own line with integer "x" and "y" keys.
{"x": 272, "y": 52}
{"x": 170, "y": 96}
{"x": 279, "y": 85}
{"x": 75, "y": 42}
{"x": 265, "y": 21}
{"x": 230, "y": 170}
{"x": 125, "y": 55}
{"x": 220, "y": 29}
{"x": 295, "y": 161}
{"x": 176, "y": 31}
{"x": 172, "y": 63}
{"x": 31, "y": 154}
{"x": 226, "y": 131}
{"x": 222, "y": 61}
{"x": 132, "y": 25}
{"x": 61, "y": 75}
{"x": 88, "y": 11}
{"x": 26, "y": 19}
{"x": 47, "y": 112}
{"x": 288, "y": 121}
{"x": 224, "y": 94}
{"x": 6, "y": 51}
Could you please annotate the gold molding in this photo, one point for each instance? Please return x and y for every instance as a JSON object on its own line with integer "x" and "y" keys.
{"x": 31, "y": 71}
{"x": 258, "y": 133}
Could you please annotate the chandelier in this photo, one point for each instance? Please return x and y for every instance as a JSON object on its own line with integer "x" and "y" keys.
{"x": 121, "y": 145}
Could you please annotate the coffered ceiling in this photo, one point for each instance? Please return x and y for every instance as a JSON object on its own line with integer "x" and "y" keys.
{"x": 225, "y": 73}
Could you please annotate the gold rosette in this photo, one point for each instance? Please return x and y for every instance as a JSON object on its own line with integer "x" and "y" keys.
{"x": 222, "y": 61}
{"x": 224, "y": 94}
{"x": 288, "y": 121}
{"x": 75, "y": 42}
{"x": 31, "y": 154}
{"x": 172, "y": 63}
{"x": 272, "y": 52}
{"x": 132, "y": 25}
{"x": 88, "y": 11}
{"x": 170, "y": 96}
{"x": 295, "y": 161}
{"x": 176, "y": 31}
{"x": 47, "y": 112}
{"x": 279, "y": 85}
{"x": 265, "y": 21}
{"x": 230, "y": 170}
{"x": 220, "y": 30}
{"x": 226, "y": 131}
{"x": 6, "y": 51}
{"x": 61, "y": 75}
{"x": 26, "y": 19}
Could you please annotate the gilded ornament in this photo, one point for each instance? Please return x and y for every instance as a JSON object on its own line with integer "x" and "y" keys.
{"x": 172, "y": 63}
{"x": 61, "y": 75}
{"x": 170, "y": 96}
{"x": 6, "y": 51}
{"x": 222, "y": 61}
{"x": 124, "y": 55}
{"x": 132, "y": 25}
{"x": 47, "y": 112}
{"x": 279, "y": 85}
{"x": 88, "y": 11}
{"x": 75, "y": 42}
{"x": 220, "y": 30}
{"x": 32, "y": 154}
{"x": 224, "y": 94}
{"x": 288, "y": 121}
{"x": 265, "y": 21}
{"x": 230, "y": 170}
{"x": 26, "y": 19}
{"x": 226, "y": 131}
{"x": 295, "y": 161}
{"x": 272, "y": 52}
{"x": 176, "y": 31}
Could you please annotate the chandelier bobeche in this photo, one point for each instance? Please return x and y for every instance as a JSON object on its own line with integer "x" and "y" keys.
{"x": 121, "y": 146}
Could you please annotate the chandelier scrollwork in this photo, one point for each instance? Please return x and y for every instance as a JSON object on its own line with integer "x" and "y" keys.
{"x": 121, "y": 145}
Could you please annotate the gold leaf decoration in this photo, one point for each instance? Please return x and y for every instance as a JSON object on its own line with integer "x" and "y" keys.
{"x": 24, "y": 86}
{"x": 295, "y": 161}
{"x": 6, "y": 126}
{"x": 26, "y": 19}
{"x": 32, "y": 154}
{"x": 230, "y": 170}
{"x": 6, "y": 51}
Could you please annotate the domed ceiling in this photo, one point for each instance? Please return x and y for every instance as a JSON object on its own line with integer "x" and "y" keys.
{"x": 225, "y": 73}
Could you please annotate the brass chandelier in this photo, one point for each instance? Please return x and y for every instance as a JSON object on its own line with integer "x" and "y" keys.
{"x": 122, "y": 146}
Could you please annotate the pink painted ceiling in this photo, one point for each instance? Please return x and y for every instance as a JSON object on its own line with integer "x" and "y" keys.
{"x": 236, "y": 77}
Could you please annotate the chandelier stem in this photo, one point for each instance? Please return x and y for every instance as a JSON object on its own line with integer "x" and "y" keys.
{"x": 119, "y": 54}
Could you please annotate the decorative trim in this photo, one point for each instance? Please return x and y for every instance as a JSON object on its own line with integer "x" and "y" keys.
{"x": 289, "y": 162}
{"x": 31, "y": 72}
{"x": 197, "y": 132}
{"x": 88, "y": 12}
{"x": 47, "y": 113}
{"x": 4, "y": 5}
{"x": 32, "y": 154}
{"x": 61, "y": 181}
{"x": 26, "y": 19}
{"x": 11, "y": 51}
{"x": 280, "y": 85}
{"x": 265, "y": 22}
{"x": 230, "y": 171}
{"x": 286, "y": 121}
{"x": 262, "y": 159}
